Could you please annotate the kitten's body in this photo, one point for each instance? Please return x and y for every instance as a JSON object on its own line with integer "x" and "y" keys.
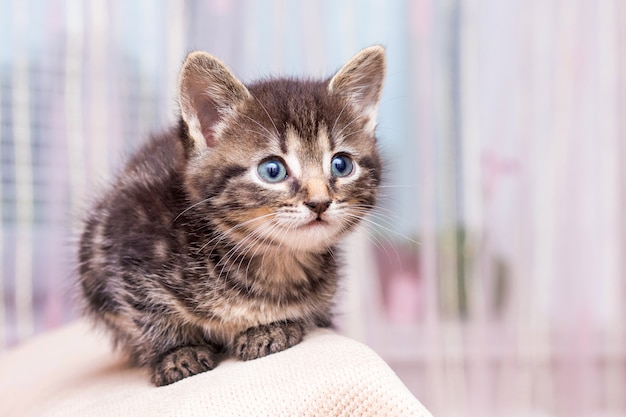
{"x": 199, "y": 249}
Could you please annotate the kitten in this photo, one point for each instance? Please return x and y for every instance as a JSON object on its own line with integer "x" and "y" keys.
{"x": 220, "y": 235}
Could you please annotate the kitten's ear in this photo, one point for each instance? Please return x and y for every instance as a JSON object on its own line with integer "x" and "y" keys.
{"x": 361, "y": 81}
{"x": 207, "y": 90}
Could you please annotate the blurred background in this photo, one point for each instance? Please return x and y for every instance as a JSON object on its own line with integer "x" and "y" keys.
{"x": 491, "y": 279}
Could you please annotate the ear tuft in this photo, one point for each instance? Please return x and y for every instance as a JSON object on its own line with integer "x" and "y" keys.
{"x": 361, "y": 81}
{"x": 207, "y": 90}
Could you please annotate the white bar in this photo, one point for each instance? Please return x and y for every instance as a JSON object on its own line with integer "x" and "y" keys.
{"x": 3, "y": 306}
{"x": 73, "y": 104}
{"x": 23, "y": 174}
{"x": 98, "y": 128}
{"x": 175, "y": 49}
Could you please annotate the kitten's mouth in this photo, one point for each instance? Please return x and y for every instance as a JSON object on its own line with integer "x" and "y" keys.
{"x": 316, "y": 223}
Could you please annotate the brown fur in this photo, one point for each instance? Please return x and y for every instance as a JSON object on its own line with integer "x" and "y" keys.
{"x": 191, "y": 254}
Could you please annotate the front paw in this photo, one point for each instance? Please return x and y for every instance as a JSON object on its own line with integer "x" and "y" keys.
{"x": 265, "y": 339}
{"x": 181, "y": 363}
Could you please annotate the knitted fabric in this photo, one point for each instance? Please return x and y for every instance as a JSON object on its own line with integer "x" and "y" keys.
{"x": 72, "y": 372}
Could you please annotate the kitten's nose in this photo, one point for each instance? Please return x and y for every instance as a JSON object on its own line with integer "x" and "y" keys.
{"x": 318, "y": 207}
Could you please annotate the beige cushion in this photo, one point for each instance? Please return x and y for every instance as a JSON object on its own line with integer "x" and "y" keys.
{"x": 72, "y": 372}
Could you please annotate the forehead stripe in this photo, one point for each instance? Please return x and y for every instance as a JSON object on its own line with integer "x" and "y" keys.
{"x": 283, "y": 143}
{"x": 324, "y": 134}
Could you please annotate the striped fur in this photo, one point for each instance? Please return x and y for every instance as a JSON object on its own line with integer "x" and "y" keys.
{"x": 191, "y": 254}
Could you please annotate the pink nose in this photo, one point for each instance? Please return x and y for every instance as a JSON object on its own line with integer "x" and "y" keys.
{"x": 318, "y": 207}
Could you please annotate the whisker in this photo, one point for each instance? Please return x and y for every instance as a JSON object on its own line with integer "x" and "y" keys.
{"x": 268, "y": 115}
{"x": 381, "y": 212}
{"x": 337, "y": 119}
{"x": 236, "y": 250}
{"x": 398, "y": 186}
{"x": 285, "y": 230}
{"x": 224, "y": 261}
{"x": 260, "y": 125}
{"x": 189, "y": 208}
{"x": 348, "y": 125}
{"x": 223, "y": 234}
{"x": 354, "y": 132}
{"x": 386, "y": 228}
{"x": 262, "y": 134}
{"x": 379, "y": 244}
{"x": 263, "y": 243}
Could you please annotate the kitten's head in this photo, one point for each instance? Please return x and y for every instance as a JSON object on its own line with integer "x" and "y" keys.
{"x": 282, "y": 161}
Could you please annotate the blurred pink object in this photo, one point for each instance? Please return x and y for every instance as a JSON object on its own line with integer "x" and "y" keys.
{"x": 401, "y": 286}
{"x": 403, "y": 302}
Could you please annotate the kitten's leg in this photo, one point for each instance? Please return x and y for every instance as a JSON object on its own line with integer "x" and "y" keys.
{"x": 171, "y": 350}
{"x": 265, "y": 339}
{"x": 183, "y": 362}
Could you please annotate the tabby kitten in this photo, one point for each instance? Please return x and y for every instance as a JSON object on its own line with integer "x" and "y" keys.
{"x": 219, "y": 236}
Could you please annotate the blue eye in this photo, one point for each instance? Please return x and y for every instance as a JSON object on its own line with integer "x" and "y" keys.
{"x": 272, "y": 171}
{"x": 341, "y": 166}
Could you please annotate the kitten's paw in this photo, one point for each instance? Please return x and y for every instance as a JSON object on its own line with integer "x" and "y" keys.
{"x": 183, "y": 362}
{"x": 263, "y": 340}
